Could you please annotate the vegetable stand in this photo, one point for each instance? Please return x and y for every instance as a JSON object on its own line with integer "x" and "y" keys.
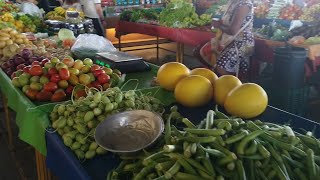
{"x": 181, "y": 36}
{"x": 65, "y": 165}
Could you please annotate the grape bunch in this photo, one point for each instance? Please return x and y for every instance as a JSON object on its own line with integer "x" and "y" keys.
{"x": 196, "y": 20}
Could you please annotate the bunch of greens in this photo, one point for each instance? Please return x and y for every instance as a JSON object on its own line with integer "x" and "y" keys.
{"x": 274, "y": 32}
{"x": 138, "y": 14}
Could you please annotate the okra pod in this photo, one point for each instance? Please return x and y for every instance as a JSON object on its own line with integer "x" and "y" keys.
{"x": 151, "y": 176}
{"x": 141, "y": 175}
{"x": 193, "y": 139}
{"x": 193, "y": 148}
{"x": 204, "y": 175}
{"x": 272, "y": 174}
{"x": 185, "y": 176}
{"x": 237, "y": 137}
{"x": 253, "y": 157}
{"x": 171, "y": 148}
{"x": 224, "y": 125}
{"x": 172, "y": 171}
{"x": 167, "y": 135}
{"x": 261, "y": 175}
{"x": 247, "y": 139}
{"x": 164, "y": 165}
{"x": 224, "y": 150}
{"x": 311, "y": 164}
{"x": 280, "y": 173}
{"x": 227, "y": 159}
{"x": 252, "y": 149}
{"x": 231, "y": 166}
{"x": 219, "y": 114}
{"x": 213, "y": 152}
{"x": 188, "y": 123}
{"x": 263, "y": 151}
{"x": 209, "y": 120}
{"x": 186, "y": 166}
{"x": 220, "y": 178}
{"x": 220, "y": 141}
{"x": 240, "y": 170}
{"x": 208, "y": 165}
{"x": 187, "y": 152}
{"x": 206, "y": 132}
{"x": 265, "y": 163}
{"x": 292, "y": 162}
{"x": 160, "y": 178}
{"x": 300, "y": 174}
{"x": 149, "y": 159}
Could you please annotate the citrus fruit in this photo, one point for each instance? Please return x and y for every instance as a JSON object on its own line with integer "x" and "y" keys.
{"x": 193, "y": 91}
{"x": 207, "y": 73}
{"x": 170, "y": 73}
{"x": 222, "y": 86}
{"x": 246, "y": 101}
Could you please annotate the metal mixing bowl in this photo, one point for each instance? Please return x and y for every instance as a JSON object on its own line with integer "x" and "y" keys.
{"x": 129, "y": 131}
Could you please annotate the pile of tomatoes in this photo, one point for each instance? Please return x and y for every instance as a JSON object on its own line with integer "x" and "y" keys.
{"x": 54, "y": 80}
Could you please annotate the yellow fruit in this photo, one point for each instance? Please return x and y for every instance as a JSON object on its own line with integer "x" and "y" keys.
{"x": 170, "y": 74}
{"x": 3, "y": 38}
{"x": 19, "y": 41}
{"x": 210, "y": 75}
{"x": 3, "y": 34}
{"x": 9, "y": 42}
{"x": 222, "y": 86}
{"x": 246, "y": 101}
{"x": 2, "y": 44}
{"x": 193, "y": 91}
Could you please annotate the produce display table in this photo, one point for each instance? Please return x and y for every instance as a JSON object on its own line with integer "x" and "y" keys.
{"x": 63, "y": 163}
{"x": 190, "y": 37}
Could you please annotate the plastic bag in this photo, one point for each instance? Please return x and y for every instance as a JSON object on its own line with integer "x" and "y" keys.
{"x": 295, "y": 24}
{"x": 87, "y": 45}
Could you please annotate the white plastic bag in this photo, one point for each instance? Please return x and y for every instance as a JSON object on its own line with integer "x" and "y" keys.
{"x": 87, "y": 45}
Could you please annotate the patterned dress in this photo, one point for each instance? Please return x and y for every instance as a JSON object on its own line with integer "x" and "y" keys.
{"x": 235, "y": 57}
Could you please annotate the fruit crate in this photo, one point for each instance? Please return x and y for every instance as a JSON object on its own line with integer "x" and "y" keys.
{"x": 291, "y": 100}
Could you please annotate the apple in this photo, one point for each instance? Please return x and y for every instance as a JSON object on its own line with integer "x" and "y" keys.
{"x": 44, "y": 80}
{"x": 78, "y": 64}
{"x": 61, "y": 65}
{"x": 35, "y": 63}
{"x": 19, "y": 72}
{"x": 44, "y": 61}
{"x": 95, "y": 67}
{"x": 48, "y": 65}
{"x": 63, "y": 84}
{"x": 88, "y": 61}
{"x": 68, "y": 61}
{"x": 92, "y": 78}
{"x": 85, "y": 69}
{"x": 35, "y": 79}
{"x": 54, "y": 60}
{"x": 98, "y": 72}
{"x": 74, "y": 71}
{"x": 25, "y": 88}
{"x": 26, "y": 69}
{"x": 21, "y": 66}
{"x": 108, "y": 71}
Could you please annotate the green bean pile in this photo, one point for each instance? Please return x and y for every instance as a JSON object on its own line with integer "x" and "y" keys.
{"x": 76, "y": 121}
{"x": 222, "y": 147}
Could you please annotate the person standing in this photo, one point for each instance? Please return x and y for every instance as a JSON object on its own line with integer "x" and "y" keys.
{"x": 92, "y": 9}
{"x": 237, "y": 24}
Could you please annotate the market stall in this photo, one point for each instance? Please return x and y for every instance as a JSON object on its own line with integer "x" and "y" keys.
{"x": 211, "y": 126}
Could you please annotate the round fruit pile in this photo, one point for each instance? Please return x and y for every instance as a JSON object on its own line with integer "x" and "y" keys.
{"x": 22, "y": 23}
{"x": 76, "y": 122}
{"x": 52, "y": 80}
{"x": 10, "y": 41}
{"x": 197, "y": 87}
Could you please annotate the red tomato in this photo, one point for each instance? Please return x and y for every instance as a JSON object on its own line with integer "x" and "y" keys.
{"x": 64, "y": 74}
{"x": 96, "y": 84}
{"x": 26, "y": 69}
{"x": 103, "y": 78}
{"x": 31, "y": 94}
{"x": 98, "y": 72}
{"x": 35, "y": 63}
{"x": 35, "y": 70}
{"x": 50, "y": 87}
{"x": 55, "y": 78}
{"x": 21, "y": 66}
{"x": 44, "y": 96}
{"x": 58, "y": 96}
{"x": 44, "y": 61}
{"x": 69, "y": 90}
{"x": 94, "y": 67}
{"x": 52, "y": 71}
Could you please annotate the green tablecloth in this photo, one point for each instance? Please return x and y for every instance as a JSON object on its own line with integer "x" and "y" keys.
{"x": 32, "y": 119}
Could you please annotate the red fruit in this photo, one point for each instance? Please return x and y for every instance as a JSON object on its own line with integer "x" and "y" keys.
{"x": 44, "y": 61}
{"x": 50, "y": 87}
{"x": 26, "y": 69}
{"x": 98, "y": 72}
{"x": 31, "y": 94}
{"x": 58, "y": 96}
{"x": 96, "y": 84}
{"x": 80, "y": 93}
{"x": 35, "y": 70}
{"x": 21, "y": 66}
{"x": 94, "y": 67}
{"x": 44, "y": 96}
{"x": 55, "y": 78}
{"x": 69, "y": 90}
{"x": 64, "y": 74}
{"x": 35, "y": 63}
{"x": 52, "y": 71}
{"x": 103, "y": 78}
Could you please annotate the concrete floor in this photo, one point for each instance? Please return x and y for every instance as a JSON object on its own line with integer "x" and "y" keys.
{"x": 20, "y": 163}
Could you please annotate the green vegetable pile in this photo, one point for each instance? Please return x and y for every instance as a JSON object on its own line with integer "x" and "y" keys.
{"x": 140, "y": 15}
{"x": 76, "y": 121}
{"x": 274, "y": 31}
{"x": 223, "y": 147}
{"x": 181, "y": 14}
{"x": 215, "y": 7}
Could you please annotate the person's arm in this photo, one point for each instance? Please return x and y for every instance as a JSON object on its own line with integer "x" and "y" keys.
{"x": 99, "y": 9}
{"x": 240, "y": 14}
